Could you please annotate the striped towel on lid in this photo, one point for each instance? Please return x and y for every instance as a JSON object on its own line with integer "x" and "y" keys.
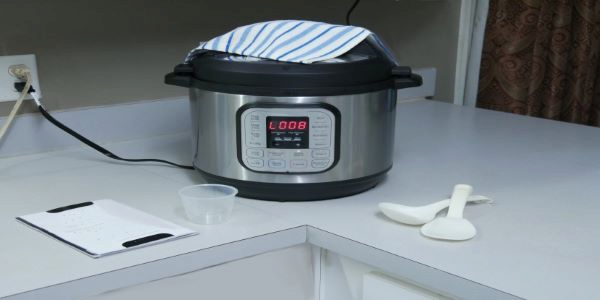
{"x": 289, "y": 40}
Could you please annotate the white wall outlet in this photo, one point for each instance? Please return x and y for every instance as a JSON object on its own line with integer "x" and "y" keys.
{"x": 7, "y": 89}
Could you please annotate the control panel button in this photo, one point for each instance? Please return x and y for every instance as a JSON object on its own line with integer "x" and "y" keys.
{"x": 256, "y": 163}
{"x": 298, "y": 154}
{"x": 320, "y": 153}
{"x": 276, "y": 164}
{"x": 255, "y": 126}
{"x": 320, "y": 131}
{"x": 275, "y": 154}
{"x": 320, "y": 126}
{"x": 321, "y": 142}
{"x": 255, "y": 139}
{"x": 255, "y": 153}
{"x": 319, "y": 163}
{"x": 319, "y": 116}
{"x": 298, "y": 164}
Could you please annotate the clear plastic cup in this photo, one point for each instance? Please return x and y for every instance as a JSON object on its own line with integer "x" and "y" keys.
{"x": 208, "y": 204}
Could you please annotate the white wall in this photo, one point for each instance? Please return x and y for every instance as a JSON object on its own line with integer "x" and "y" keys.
{"x": 103, "y": 52}
{"x": 421, "y": 33}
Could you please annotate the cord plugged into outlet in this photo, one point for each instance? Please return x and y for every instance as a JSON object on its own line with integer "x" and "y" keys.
{"x": 24, "y": 87}
{"x": 21, "y": 72}
{"x": 12, "y": 69}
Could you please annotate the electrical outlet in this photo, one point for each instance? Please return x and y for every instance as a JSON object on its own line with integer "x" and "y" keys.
{"x": 7, "y": 89}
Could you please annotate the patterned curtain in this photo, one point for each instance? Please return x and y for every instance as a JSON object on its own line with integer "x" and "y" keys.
{"x": 541, "y": 58}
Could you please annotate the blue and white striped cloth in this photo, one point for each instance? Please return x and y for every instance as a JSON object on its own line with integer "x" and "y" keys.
{"x": 289, "y": 40}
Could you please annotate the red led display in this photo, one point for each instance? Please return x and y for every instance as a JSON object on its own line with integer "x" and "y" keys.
{"x": 287, "y": 132}
{"x": 287, "y": 125}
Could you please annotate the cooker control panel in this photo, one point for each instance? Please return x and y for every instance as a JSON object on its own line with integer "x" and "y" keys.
{"x": 287, "y": 140}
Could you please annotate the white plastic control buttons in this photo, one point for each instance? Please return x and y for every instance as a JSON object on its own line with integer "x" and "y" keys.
{"x": 255, "y": 153}
{"x": 320, "y": 130}
{"x": 316, "y": 156}
{"x": 256, "y": 163}
{"x": 276, "y": 164}
{"x": 320, "y": 163}
{"x": 275, "y": 154}
{"x": 320, "y": 153}
{"x": 321, "y": 141}
{"x": 298, "y": 154}
{"x": 298, "y": 164}
{"x": 254, "y": 128}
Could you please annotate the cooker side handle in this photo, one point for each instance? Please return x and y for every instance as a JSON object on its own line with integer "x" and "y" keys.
{"x": 405, "y": 78}
{"x": 181, "y": 76}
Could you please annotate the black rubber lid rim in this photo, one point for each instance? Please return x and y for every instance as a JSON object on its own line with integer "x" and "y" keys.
{"x": 361, "y": 70}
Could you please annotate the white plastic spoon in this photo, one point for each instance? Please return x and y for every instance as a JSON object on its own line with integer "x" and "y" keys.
{"x": 452, "y": 227}
{"x": 419, "y": 215}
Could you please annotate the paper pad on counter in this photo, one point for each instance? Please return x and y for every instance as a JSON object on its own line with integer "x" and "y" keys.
{"x": 104, "y": 227}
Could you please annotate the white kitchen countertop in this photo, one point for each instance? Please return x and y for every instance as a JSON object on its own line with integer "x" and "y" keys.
{"x": 538, "y": 241}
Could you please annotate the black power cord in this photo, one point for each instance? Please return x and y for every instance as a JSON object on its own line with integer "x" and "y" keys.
{"x": 350, "y": 11}
{"x": 19, "y": 86}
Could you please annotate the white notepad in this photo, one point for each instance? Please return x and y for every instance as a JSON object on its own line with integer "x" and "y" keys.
{"x": 103, "y": 227}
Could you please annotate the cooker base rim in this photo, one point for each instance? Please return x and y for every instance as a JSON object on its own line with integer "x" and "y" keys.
{"x": 287, "y": 192}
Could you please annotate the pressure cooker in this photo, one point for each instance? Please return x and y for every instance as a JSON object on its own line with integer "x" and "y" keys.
{"x": 294, "y": 132}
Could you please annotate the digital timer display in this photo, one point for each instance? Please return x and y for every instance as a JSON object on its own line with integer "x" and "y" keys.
{"x": 287, "y": 132}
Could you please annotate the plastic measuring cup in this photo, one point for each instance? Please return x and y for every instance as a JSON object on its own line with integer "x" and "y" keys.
{"x": 208, "y": 204}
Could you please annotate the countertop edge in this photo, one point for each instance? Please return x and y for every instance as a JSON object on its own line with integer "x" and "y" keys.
{"x": 167, "y": 267}
{"x": 436, "y": 280}
{"x": 408, "y": 270}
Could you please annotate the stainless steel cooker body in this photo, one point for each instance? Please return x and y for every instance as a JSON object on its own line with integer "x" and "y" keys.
{"x": 294, "y": 132}
{"x": 362, "y": 154}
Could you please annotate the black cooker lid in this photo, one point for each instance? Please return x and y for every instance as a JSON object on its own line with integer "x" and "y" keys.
{"x": 363, "y": 69}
